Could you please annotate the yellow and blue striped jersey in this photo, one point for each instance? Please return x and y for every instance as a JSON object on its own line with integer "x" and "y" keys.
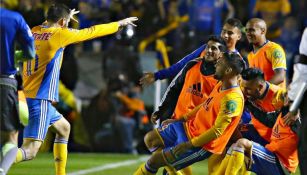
{"x": 41, "y": 75}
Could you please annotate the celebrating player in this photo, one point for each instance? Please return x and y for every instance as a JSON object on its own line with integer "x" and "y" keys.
{"x": 195, "y": 137}
{"x": 266, "y": 55}
{"x": 41, "y": 77}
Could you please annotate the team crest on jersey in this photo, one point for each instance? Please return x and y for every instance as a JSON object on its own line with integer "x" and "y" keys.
{"x": 277, "y": 53}
{"x": 195, "y": 89}
{"x": 231, "y": 107}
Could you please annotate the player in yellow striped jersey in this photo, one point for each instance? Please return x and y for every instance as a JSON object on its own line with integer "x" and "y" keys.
{"x": 41, "y": 79}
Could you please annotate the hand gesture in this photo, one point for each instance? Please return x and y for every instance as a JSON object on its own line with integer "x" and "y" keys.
{"x": 154, "y": 118}
{"x": 168, "y": 121}
{"x": 147, "y": 79}
{"x": 72, "y": 13}
{"x": 290, "y": 118}
{"x": 127, "y": 21}
{"x": 182, "y": 148}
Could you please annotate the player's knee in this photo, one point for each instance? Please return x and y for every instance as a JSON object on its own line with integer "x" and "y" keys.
{"x": 150, "y": 140}
{"x": 243, "y": 143}
{"x": 64, "y": 129}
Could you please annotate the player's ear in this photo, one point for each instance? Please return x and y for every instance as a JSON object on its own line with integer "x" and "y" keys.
{"x": 62, "y": 22}
{"x": 260, "y": 86}
{"x": 228, "y": 70}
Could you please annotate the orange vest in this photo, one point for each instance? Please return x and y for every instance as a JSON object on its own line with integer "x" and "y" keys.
{"x": 262, "y": 60}
{"x": 267, "y": 104}
{"x": 206, "y": 117}
{"x": 284, "y": 144}
{"x": 195, "y": 90}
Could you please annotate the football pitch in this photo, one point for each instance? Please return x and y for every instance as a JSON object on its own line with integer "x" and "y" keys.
{"x": 91, "y": 164}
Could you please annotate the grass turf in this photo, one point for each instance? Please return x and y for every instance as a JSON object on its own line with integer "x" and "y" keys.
{"x": 43, "y": 164}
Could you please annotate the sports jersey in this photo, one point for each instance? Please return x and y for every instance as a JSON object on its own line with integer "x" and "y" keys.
{"x": 195, "y": 90}
{"x": 41, "y": 75}
{"x": 273, "y": 100}
{"x": 222, "y": 112}
{"x": 189, "y": 88}
{"x": 269, "y": 57}
{"x": 13, "y": 27}
{"x": 284, "y": 144}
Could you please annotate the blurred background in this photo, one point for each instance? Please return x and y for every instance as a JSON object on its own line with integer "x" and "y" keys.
{"x": 100, "y": 94}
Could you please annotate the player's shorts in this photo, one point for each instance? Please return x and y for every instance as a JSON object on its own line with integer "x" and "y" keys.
{"x": 41, "y": 115}
{"x": 174, "y": 134}
{"x": 264, "y": 161}
{"x": 9, "y": 105}
{"x": 249, "y": 132}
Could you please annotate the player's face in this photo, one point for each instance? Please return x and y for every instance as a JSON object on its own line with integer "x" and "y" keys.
{"x": 253, "y": 32}
{"x": 231, "y": 35}
{"x": 212, "y": 51}
{"x": 220, "y": 68}
{"x": 251, "y": 89}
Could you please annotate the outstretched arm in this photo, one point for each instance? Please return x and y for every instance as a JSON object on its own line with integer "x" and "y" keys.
{"x": 150, "y": 77}
{"x": 69, "y": 36}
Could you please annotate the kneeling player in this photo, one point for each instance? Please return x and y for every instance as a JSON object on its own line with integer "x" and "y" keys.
{"x": 196, "y": 137}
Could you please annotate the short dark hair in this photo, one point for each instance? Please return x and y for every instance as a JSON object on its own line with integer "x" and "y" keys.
{"x": 235, "y": 23}
{"x": 252, "y": 74}
{"x": 220, "y": 40}
{"x": 57, "y": 11}
{"x": 235, "y": 61}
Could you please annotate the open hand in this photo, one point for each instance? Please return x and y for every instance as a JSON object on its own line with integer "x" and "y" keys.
{"x": 72, "y": 13}
{"x": 147, "y": 79}
{"x": 290, "y": 118}
{"x": 127, "y": 21}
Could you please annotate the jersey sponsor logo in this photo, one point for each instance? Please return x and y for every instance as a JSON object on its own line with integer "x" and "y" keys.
{"x": 231, "y": 106}
{"x": 195, "y": 89}
{"x": 41, "y": 36}
{"x": 277, "y": 53}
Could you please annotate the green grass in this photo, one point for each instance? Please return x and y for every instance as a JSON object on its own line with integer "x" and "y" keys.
{"x": 43, "y": 164}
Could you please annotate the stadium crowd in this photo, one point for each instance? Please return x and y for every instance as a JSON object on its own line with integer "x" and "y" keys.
{"x": 236, "y": 68}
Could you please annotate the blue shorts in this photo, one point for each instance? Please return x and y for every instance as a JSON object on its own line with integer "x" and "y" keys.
{"x": 249, "y": 132}
{"x": 264, "y": 161}
{"x": 174, "y": 134}
{"x": 41, "y": 115}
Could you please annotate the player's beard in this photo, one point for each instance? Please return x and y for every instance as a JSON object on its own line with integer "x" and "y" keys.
{"x": 217, "y": 76}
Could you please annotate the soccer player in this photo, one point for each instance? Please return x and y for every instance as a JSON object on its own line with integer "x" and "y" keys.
{"x": 266, "y": 55}
{"x": 195, "y": 137}
{"x": 231, "y": 33}
{"x": 264, "y": 95}
{"x": 192, "y": 85}
{"x": 265, "y": 101}
{"x": 13, "y": 28}
{"x": 275, "y": 158}
{"x": 41, "y": 77}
